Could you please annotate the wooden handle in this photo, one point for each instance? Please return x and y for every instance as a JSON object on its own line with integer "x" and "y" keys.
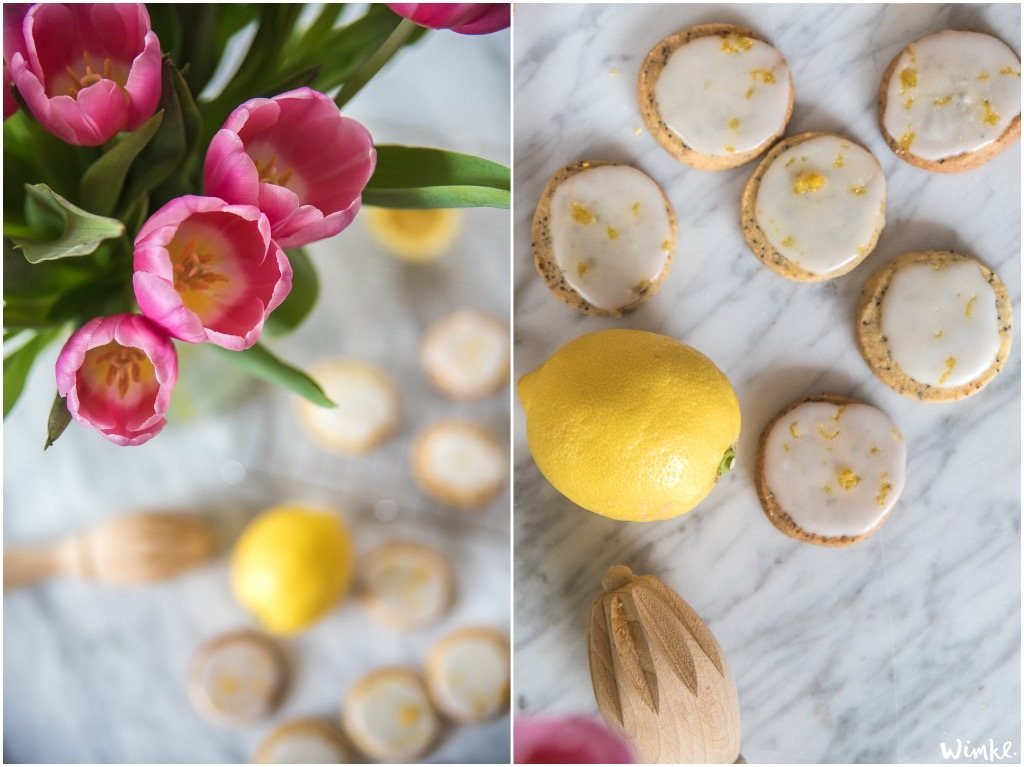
{"x": 27, "y": 566}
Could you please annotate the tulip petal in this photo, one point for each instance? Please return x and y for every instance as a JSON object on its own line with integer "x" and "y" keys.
{"x": 159, "y": 301}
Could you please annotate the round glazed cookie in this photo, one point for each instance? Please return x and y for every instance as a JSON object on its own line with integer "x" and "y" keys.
{"x": 935, "y": 325}
{"x": 950, "y": 101}
{"x": 459, "y": 464}
{"x": 603, "y": 237}
{"x": 814, "y": 207}
{"x": 368, "y": 406}
{"x": 468, "y": 674}
{"x": 715, "y": 96}
{"x": 406, "y": 585}
{"x": 237, "y": 678}
{"x": 389, "y": 717}
{"x": 829, "y": 470}
{"x": 466, "y": 354}
{"x": 302, "y": 741}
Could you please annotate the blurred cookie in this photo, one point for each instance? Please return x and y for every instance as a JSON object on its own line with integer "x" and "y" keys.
{"x": 830, "y": 469}
{"x": 466, "y": 354}
{"x": 368, "y": 406}
{"x": 950, "y": 101}
{"x": 603, "y": 237}
{"x": 414, "y": 235}
{"x": 389, "y": 717}
{"x": 302, "y": 741}
{"x": 406, "y": 585}
{"x": 935, "y": 325}
{"x": 459, "y": 464}
{"x": 814, "y": 207}
{"x": 237, "y": 678}
{"x": 715, "y": 96}
{"x": 468, "y": 674}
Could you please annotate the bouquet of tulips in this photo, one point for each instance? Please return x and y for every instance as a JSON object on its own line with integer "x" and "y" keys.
{"x": 141, "y": 210}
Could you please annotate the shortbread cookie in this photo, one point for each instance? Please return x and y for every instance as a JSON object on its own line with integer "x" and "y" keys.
{"x": 302, "y": 741}
{"x": 814, "y": 207}
{"x": 415, "y": 235}
{"x": 950, "y": 101}
{"x": 368, "y": 406}
{"x": 468, "y": 674}
{"x": 466, "y": 354}
{"x": 830, "y": 469}
{"x": 603, "y": 237}
{"x": 406, "y": 585}
{"x": 459, "y": 464}
{"x": 237, "y": 678}
{"x": 935, "y": 325}
{"x": 389, "y": 717}
{"x": 715, "y": 96}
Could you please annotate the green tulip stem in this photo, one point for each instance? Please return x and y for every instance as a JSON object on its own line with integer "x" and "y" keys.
{"x": 375, "y": 62}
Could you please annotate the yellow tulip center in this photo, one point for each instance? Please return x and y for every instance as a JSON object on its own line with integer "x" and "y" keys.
{"x": 120, "y": 368}
{"x": 86, "y": 72}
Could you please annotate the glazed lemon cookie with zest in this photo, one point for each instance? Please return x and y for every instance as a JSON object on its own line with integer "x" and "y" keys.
{"x": 950, "y": 102}
{"x": 406, "y": 585}
{"x": 468, "y": 674}
{"x": 302, "y": 741}
{"x": 237, "y": 678}
{"x": 459, "y": 464}
{"x": 466, "y": 354}
{"x": 935, "y": 325}
{"x": 389, "y": 717}
{"x": 367, "y": 406}
{"x": 814, "y": 207}
{"x": 715, "y": 96}
{"x": 603, "y": 237}
{"x": 830, "y": 469}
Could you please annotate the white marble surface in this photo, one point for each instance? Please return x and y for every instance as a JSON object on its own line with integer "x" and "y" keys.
{"x": 878, "y": 652}
{"x": 94, "y": 674}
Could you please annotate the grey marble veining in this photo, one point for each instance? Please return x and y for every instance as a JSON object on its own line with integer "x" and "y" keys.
{"x": 876, "y": 652}
{"x": 94, "y": 674}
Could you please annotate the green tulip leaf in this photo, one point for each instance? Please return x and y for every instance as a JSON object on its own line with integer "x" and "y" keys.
{"x": 104, "y": 180}
{"x": 420, "y": 177}
{"x": 58, "y": 421}
{"x": 61, "y": 230}
{"x": 258, "y": 361}
{"x": 302, "y": 298}
{"x": 18, "y": 364}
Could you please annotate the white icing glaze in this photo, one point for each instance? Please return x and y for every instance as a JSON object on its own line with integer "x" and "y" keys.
{"x": 367, "y": 404}
{"x": 305, "y": 747}
{"x": 411, "y": 584}
{"x": 467, "y": 353}
{"x": 808, "y": 453}
{"x": 723, "y": 95}
{"x": 610, "y": 233}
{"x": 941, "y": 324}
{"x": 390, "y": 717}
{"x": 820, "y": 203}
{"x": 951, "y": 93}
{"x": 240, "y": 679}
{"x": 470, "y": 677}
{"x": 464, "y": 459}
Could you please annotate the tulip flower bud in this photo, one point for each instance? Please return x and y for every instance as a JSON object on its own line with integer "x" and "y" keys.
{"x": 209, "y": 271}
{"x": 117, "y": 374}
{"x": 295, "y": 158}
{"x": 88, "y": 71}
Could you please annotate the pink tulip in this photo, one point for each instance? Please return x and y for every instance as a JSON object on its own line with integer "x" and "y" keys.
{"x": 117, "y": 374}
{"x": 90, "y": 70}
{"x": 464, "y": 18}
{"x": 14, "y": 42}
{"x": 297, "y": 159}
{"x": 571, "y": 740}
{"x": 209, "y": 271}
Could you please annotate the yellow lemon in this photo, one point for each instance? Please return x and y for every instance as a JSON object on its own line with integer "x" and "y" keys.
{"x": 629, "y": 424}
{"x": 414, "y": 235}
{"x": 291, "y": 565}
